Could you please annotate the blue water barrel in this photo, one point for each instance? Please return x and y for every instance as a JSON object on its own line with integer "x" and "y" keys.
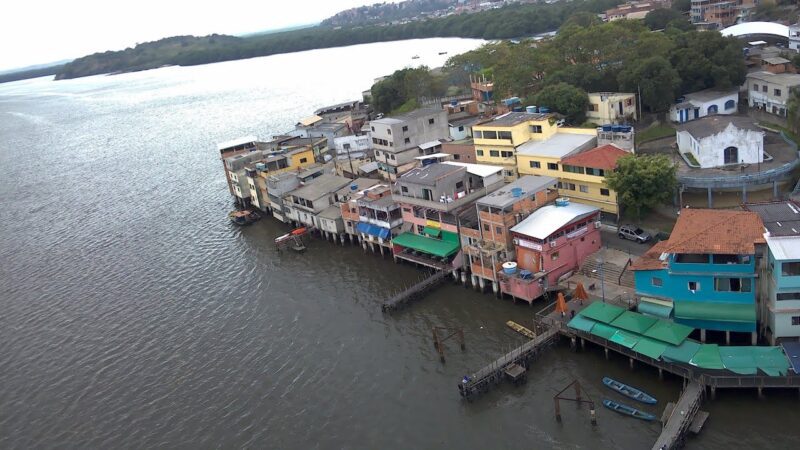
{"x": 525, "y": 274}
{"x": 353, "y": 187}
{"x": 544, "y": 109}
{"x": 562, "y": 201}
{"x": 453, "y": 102}
{"x": 516, "y": 192}
{"x": 518, "y": 109}
{"x": 531, "y": 109}
{"x": 627, "y": 129}
{"x": 606, "y": 127}
{"x": 616, "y": 128}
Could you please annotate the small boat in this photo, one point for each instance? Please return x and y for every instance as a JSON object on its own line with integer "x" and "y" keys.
{"x": 243, "y": 217}
{"x": 415, "y": 57}
{"x": 442, "y": 53}
{"x": 629, "y": 391}
{"x": 520, "y": 329}
{"x": 299, "y": 231}
{"x": 627, "y": 410}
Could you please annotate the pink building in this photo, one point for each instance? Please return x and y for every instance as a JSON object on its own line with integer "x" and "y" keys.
{"x": 551, "y": 243}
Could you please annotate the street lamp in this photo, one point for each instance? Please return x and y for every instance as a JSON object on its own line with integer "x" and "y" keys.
{"x": 602, "y": 277}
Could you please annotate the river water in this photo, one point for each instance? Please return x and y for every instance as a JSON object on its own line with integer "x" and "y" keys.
{"x": 132, "y": 314}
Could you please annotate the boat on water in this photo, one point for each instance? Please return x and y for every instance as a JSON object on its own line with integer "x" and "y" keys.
{"x": 628, "y": 410}
{"x": 244, "y": 217}
{"x": 415, "y": 57}
{"x": 442, "y": 53}
{"x": 629, "y": 391}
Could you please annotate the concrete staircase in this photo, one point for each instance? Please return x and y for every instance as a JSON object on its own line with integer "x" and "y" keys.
{"x": 611, "y": 271}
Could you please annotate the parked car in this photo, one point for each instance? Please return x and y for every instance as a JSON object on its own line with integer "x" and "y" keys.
{"x": 633, "y": 233}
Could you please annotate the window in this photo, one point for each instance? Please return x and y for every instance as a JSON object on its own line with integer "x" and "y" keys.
{"x": 535, "y": 165}
{"x": 459, "y": 185}
{"x": 788, "y": 296}
{"x": 504, "y": 135}
{"x": 461, "y": 128}
{"x": 629, "y": 102}
{"x": 477, "y": 134}
{"x": 755, "y": 87}
{"x": 490, "y": 134}
{"x": 508, "y": 173}
{"x": 604, "y": 192}
{"x": 655, "y": 281}
{"x": 498, "y": 230}
{"x": 536, "y": 128}
{"x": 373, "y": 128}
{"x": 391, "y": 157}
{"x": 407, "y": 140}
{"x": 430, "y": 121}
{"x": 479, "y": 152}
{"x": 730, "y": 104}
{"x": 487, "y": 228}
{"x": 506, "y": 154}
{"x": 572, "y": 169}
{"x": 712, "y": 109}
{"x": 595, "y": 172}
{"x": 404, "y": 189}
{"x": 777, "y": 92}
{"x": 456, "y": 156}
{"x": 494, "y": 153}
{"x": 554, "y": 256}
{"x": 795, "y": 320}
{"x": 420, "y": 229}
{"x": 389, "y": 131}
{"x": 552, "y": 166}
{"x": 732, "y": 284}
{"x": 405, "y": 128}
{"x": 791, "y": 269}
{"x": 584, "y": 189}
{"x": 694, "y": 286}
{"x": 764, "y": 88}
{"x": 593, "y": 107}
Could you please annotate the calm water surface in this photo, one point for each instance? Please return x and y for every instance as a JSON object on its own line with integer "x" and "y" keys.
{"x": 132, "y": 314}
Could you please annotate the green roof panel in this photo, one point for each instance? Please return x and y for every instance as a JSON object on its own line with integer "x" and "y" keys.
{"x": 650, "y": 347}
{"x": 602, "y": 312}
{"x": 634, "y": 322}
{"x": 707, "y": 357}
{"x": 625, "y": 339}
{"x": 669, "y": 332}
{"x": 431, "y": 231}
{"x": 771, "y": 360}
{"x": 603, "y": 330}
{"x": 681, "y": 353}
{"x": 428, "y": 245}
{"x": 655, "y": 309}
{"x": 738, "y": 360}
{"x": 716, "y": 311}
{"x": 581, "y": 323}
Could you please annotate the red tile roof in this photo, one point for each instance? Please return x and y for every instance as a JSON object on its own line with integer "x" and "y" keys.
{"x": 650, "y": 260}
{"x": 603, "y": 157}
{"x": 716, "y": 231}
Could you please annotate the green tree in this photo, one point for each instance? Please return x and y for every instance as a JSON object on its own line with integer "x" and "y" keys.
{"x": 565, "y": 99}
{"x": 682, "y": 5}
{"x": 658, "y": 19}
{"x": 643, "y": 182}
{"x": 793, "y": 111}
{"x": 656, "y": 81}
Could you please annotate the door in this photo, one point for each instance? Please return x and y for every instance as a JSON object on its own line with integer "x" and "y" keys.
{"x": 731, "y": 155}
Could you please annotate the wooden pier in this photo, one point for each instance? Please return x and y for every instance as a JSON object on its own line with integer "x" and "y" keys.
{"x": 681, "y": 418}
{"x": 414, "y": 291}
{"x": 483, "y": 379}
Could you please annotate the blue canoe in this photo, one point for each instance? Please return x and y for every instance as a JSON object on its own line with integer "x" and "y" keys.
{"x": 627, "y": 410}
{"x": 629, "y": 391}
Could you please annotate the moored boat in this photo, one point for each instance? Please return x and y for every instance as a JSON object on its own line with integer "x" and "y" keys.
{"x": 628, "y": 410}
{"x": 629, "y": 391}
{"x": 244, "y": 217}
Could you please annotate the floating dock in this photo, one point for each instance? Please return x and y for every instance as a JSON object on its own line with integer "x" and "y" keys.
{"x": 681, "y": 418}
{"x": 414, "y": 291}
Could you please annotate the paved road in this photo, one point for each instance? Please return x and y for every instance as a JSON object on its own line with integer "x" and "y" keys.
{"x": 611, "y": 240}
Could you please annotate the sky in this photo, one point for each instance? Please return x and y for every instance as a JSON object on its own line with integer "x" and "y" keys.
{"x": 42, "y": 31}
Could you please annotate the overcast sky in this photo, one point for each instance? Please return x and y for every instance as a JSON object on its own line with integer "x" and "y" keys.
{"x": 43, "y": 31}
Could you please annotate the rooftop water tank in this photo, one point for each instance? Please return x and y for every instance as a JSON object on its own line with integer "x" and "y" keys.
{"x": 562, "y": 201}
{"x": 616, "y": 128}
{"x": 531, "y": 109}
{"x": 627, "y": 129}
{"x": 518, "y": 109}
{"x": 607, "y": 127}
{"x": 453, "y": 102}
{"x": 544, "y": 109}
{"x": 353, "y": 187}
{"x": 510, "y": 267}
{"x": 516, "y": 192}
{"x": 261, "y": 166}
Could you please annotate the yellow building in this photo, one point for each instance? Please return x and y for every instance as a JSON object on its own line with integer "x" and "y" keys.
{"x": 257, "y": 173}
{"x": 497, "y": 140}
{"x": 582, "y": 177}
{"x": 544, "y": 157}
{"x": 611, "y": 107}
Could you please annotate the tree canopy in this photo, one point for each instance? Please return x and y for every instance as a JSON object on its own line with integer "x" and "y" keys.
{"x": 404, "y": 86}
{"x": 566, "y": 99}
{"x": 643, "y": 182}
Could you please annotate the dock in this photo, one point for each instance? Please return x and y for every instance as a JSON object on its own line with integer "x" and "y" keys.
{"x": 681, "y": 418}
{"x": 480, "y": 381}
{"x": 411, "y": 292}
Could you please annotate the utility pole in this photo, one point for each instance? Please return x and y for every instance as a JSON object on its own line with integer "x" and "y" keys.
{"x": 602, "y": 276}
{"x": 639, "y": 90}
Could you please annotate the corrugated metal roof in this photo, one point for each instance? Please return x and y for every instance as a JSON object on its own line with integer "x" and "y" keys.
{"x": 747, "y": 28}
{"x": 481, "y": 170}
{"x": 504, "y": 197}
{"x": 429, "y": 144}
{"x": 558, "y": 146}
{"x": 546, "y": 220}
{"x": 236, "y": 142}
{"x": 784, "y": 248}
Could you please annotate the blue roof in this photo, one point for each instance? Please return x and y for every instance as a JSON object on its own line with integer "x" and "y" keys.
{"x": 792, "y": 350}
{"x": 374, "y": 230}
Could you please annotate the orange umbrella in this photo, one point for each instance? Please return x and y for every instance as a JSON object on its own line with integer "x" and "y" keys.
{"x": 580, "y": 293}
{"x": 561, "y": 304}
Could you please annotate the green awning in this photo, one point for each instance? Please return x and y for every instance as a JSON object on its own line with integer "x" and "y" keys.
{"x": 602, "y": 312}
{"x": 739, "y": 360}
{"x": 625, "y": 339}
{"x": 682, "y": 353}
{"x": 449, "y": 236}
{"x": 634, "y": 322}
{"x": 716, "y": 311}
{"x": 650, "y": 347}
{"x": 581, "y": 323}
{"x": 655, "y": 309}
{"x": 431, "y": 231}
{"x": 771, "y": 360}
{"x": 603, "y": 330}
{"x": 669, "y": 332}
{"x": 707, "y": 357}
{"x": 428, "y": 245}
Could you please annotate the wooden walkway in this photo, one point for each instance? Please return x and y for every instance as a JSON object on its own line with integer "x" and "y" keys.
{"x": 681, "y": 418}
{"x": 414, "y": 291}
{"x": 483, "y": 379}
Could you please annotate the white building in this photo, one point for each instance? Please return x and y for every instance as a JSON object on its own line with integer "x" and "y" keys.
{"x": 705, "y": 103}
{"x": 794, "y": 37}
{"x": 716, "y": 141}
{"x": 354, "y": 146}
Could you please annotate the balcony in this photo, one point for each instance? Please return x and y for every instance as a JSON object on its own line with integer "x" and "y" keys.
{"x": 473, "y": 195}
